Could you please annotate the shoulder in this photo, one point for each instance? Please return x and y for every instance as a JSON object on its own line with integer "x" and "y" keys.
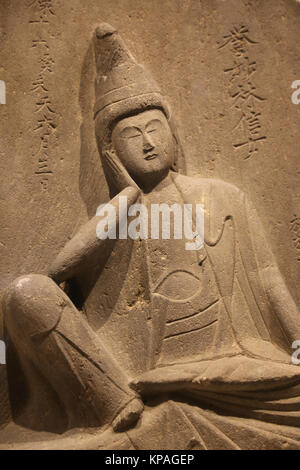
{"x": 196, "y": 187}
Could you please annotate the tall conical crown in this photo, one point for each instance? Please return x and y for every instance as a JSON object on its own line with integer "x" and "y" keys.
{"x": 123, "y": 87}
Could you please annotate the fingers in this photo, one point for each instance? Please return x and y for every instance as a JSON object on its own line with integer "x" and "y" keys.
{"x": 116, "y": 170}
{"x": 112, "y": 161}
{"x": 128, "y": 416}
{"x": 120, "y": 174}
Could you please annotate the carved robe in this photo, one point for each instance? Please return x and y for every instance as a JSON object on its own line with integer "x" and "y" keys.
{"x": 201, "y": 324}
{"x": 195, "y": 332}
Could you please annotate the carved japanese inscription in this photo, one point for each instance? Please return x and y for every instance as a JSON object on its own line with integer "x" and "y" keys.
{"x": 246, "y": 101}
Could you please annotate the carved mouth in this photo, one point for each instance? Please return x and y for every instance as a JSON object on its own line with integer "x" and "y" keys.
{"x": 151, "y": 157}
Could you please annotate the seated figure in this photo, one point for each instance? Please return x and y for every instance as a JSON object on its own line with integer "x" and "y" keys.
{"x": 156, "y": 346}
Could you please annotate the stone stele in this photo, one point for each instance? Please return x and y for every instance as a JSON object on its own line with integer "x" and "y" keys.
{"x": 140, "y": 343}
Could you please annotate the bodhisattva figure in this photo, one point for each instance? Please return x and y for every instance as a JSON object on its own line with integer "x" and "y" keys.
{"x": 155, "y": 345}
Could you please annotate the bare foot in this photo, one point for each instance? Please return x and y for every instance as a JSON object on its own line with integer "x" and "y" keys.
{"x": 128, "y": 416}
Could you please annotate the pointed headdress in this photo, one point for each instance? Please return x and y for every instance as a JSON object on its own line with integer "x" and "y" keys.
{"x": 122, "y": 86}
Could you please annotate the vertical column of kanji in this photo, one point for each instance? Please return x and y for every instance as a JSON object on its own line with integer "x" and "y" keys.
{"x": 45, "y": 119}
{"x": 246, "y": 101}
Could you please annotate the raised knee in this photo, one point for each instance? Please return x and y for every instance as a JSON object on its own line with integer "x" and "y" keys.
{"x": 31, "y": 305}
{"x": 22, "y": 289}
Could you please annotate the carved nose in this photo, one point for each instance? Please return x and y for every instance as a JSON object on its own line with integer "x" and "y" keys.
{"x": 147, "y": 143}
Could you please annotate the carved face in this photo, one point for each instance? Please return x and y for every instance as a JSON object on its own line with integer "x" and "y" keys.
{"x": 144, "y": 144}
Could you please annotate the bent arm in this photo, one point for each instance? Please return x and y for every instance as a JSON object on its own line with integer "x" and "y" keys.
{"x": 81, "y": 251}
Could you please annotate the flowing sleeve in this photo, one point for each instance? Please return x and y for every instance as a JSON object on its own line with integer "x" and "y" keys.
{"x": 280, "y": 301}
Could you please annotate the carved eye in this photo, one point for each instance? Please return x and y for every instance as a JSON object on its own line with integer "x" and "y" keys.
{"x": 134, "y": 136}
{"x": 179, "y": 285}
{"x": 130, "y": 132}
{"x": 153, "y": 126}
